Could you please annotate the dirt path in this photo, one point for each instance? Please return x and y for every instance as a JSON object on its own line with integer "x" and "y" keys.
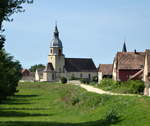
{"x": 97, "y": 90}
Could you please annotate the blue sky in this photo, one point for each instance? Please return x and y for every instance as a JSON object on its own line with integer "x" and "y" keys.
{"x": 88, "y": 28}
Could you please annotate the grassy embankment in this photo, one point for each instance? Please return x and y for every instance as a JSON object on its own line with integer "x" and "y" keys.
{"x": 67, "y": 105}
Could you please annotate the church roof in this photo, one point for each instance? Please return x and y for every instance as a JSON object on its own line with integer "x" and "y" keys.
{"x": 106, "y": 69}
{"x": 130, "y": 60}
{"x": 80, "y": 65}
{"x": 56, "y": 42}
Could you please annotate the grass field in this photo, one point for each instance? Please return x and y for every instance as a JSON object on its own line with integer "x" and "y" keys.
{"x": 66, "y": 105}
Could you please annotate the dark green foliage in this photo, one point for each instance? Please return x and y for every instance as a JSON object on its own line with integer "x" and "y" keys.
{"x": 37, "y": 66}
{"x": 74, "y": 78}
{"x": 10, "y": 74}
{"x": 85, "y": 80}
{"x": 63, "y": 80}
{"x": 108, "y": 84}
{"x": 135, "y": 86}
{"x": 131, "y": 86}
{"x": 95, "y": 79}
{"x": 10, "y": 70}
{"x": 2, "y": 41}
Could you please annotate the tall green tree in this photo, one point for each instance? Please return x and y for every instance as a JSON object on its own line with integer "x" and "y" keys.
{"x": 10, "y": 69}
{"x": 37, "y": 66}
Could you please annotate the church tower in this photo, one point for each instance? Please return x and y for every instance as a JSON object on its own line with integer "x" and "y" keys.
{"x": 56, "y": 56}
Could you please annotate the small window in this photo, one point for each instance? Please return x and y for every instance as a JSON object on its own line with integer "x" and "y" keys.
{"x": 51, "y": 51}
{"x": 59, "y": 52}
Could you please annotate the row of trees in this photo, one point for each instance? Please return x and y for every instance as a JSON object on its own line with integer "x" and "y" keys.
{"x": 10, "y": 69}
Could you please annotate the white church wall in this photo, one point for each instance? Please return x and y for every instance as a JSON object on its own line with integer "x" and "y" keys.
{"x": 81, "y": 74}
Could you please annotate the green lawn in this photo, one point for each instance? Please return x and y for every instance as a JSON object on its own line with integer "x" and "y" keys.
{"x": 52, "y": 104}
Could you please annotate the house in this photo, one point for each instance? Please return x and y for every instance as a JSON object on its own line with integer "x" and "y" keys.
{"x": 27, "y": 76}
{"x": 104, "y": 71}
{"x": 25, "y": 72}
{"x": 59, "y": 66}
{"x": 128, "y": 65}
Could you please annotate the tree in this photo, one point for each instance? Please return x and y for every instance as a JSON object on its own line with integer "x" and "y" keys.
{"x": 10, "y": 69}
{"x": 9, "y": 75}
{"x": 37, "y": 66}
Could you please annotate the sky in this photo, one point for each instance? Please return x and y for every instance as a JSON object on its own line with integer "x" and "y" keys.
{"x": 93, "y": 29}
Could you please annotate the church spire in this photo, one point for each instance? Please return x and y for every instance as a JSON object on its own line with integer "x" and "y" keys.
{"x": 124, "y": 47}
{"x": 56, "y": 42}
{"x": 56, "y": 32}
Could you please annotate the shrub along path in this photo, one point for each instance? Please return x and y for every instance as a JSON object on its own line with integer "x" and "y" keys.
{"x": 100, "y": 91}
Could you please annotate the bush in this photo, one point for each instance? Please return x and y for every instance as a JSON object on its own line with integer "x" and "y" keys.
{"x": 10, "y": 74}
{"x": 131, "y": 86}
{"x": 135, "y": 86}
{"x": 85, "y": 81}
{"x": 108, "y": 82}
{"x": 63, "y": 80}
{"x": 95, "y": 79}
{"x": 73, "y": 78}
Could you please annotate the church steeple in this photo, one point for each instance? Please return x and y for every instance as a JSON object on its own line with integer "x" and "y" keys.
{"x": 56, "y": 32}
{"x": 124, "y": 49}
{"x": 56, "y": 56}
{"x": 56, "y": 42}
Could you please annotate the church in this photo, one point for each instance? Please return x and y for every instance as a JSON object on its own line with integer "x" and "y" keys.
{"x": 59, "y": 66}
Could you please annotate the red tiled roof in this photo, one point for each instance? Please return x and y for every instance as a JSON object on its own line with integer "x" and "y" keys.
{"x": 130, "y": 60}
{"x": 24, "y": 70}
{"x": 106, "y": 69}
